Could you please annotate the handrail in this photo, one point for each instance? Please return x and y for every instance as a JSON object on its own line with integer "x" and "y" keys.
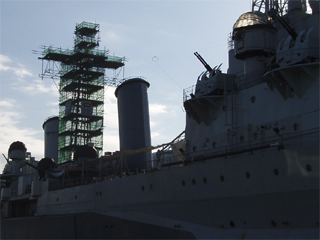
{"x": 278, "y": 141}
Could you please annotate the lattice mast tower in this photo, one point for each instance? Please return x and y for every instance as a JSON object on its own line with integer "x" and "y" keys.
{"x": 281, "y": 6}
{"x": 81, "y": 88}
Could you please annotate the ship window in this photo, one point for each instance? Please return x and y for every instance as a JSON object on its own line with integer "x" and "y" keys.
{"x": 204, "y": 180}
{"x": 193, "y": 181}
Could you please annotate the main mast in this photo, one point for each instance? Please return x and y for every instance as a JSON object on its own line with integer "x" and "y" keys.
{"x": 81, "y": 88}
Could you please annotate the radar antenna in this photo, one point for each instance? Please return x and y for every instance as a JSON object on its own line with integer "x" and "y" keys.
{"x": 265, "y": 6}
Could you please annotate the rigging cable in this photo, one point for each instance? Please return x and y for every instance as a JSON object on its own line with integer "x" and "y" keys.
{"x": 155, "y": 58}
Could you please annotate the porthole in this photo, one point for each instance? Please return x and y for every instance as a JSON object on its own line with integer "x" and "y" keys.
{"x": 57, "y": 199}
{"x": 214, "y": 145}
{"x": 193, "y": 181}
{"x": 253, "y": 99}
{"x": 100, "y": 193}
{"x": 224, "y": 108}
{"x": 308, "y": 167}
{"x": 205, "y": 180}
{"x": 222, "y": 178}
{"x": 276, "y": 172}
{"x": 75, "y": 197}
{"x": 273, "y": 223}
{"x": 183, "y": 183}
{"x": 142, "y": 188}
{"x": 231, "y": 223}
{"x": 247, "y": 175}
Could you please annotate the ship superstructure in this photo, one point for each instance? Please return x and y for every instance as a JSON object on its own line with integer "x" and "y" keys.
{"x": 246, "y": 166}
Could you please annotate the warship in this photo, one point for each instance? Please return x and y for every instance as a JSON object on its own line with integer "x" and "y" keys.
{"x": 246, "y": 166}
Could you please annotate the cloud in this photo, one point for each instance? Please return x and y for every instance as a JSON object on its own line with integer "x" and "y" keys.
{"x": 111, "y": 132}
{"x": 4, "y": 59}
{"x": 52, "y": 104}
{"x": 17, "y": 77}
{"x": 157, "y": 109}
{"x": 7, "y": 64}
{"x": 112, "y": 36}
{"x": 7, "y": 103}
{"x": 111, "y": 32}
{"x": 10, "y": 132}
{"x": 38, "y": 86}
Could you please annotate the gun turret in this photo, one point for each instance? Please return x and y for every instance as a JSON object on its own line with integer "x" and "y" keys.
{"x": 205, "y": 64}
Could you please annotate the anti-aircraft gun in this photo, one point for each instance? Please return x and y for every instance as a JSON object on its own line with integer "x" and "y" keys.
{"x": 205, "y": 64}
{"x": 212, "y": 81}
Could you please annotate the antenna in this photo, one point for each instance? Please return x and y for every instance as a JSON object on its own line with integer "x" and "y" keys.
{"x": 265, "y": 6}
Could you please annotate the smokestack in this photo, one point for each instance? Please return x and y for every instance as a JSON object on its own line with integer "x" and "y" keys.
{"x": 134, "y": 122}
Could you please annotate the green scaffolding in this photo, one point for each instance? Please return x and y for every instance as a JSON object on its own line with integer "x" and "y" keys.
{"x": 82, "y": 76}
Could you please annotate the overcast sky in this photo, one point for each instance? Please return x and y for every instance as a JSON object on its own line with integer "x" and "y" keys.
{"x": 158, "y": 39}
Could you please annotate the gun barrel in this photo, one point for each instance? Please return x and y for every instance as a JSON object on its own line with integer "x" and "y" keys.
{"x": 205, "y": 64}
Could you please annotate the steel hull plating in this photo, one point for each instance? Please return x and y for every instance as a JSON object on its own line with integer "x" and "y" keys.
{"x": 263, "y": 195}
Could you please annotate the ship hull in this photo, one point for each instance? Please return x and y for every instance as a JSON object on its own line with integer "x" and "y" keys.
{"x": 97, "y": 226}
{"x": 86, "y": 226}
{"x": 273, "y": 194}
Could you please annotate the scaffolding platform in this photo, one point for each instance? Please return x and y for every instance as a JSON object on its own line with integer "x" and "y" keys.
{"x": 84, "y": 88}
{"x": 82, "y": 80}
{"x": 89, "y": 58}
